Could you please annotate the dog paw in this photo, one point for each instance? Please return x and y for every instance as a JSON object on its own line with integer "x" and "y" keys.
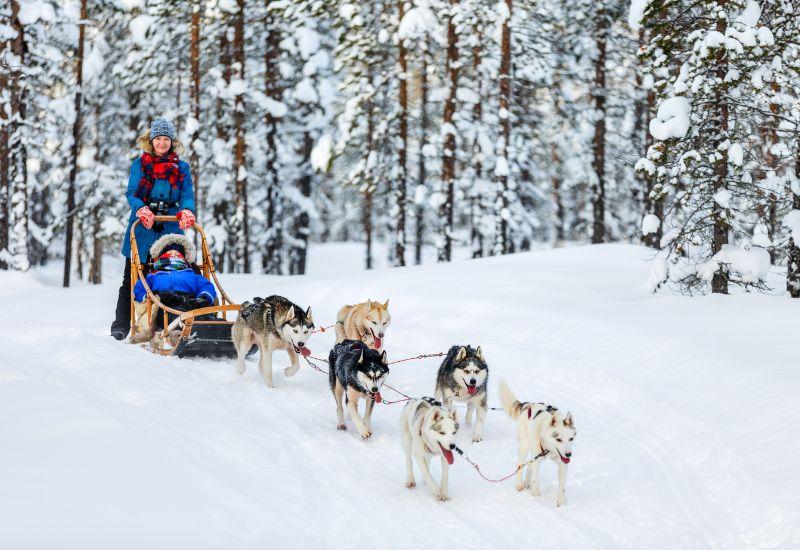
{"x": 561, "y": 500}
{"x": 477, "y": 439}
{"x": 341, "y": 427}
{"x": 291, "y": 371}
{"x": 536, "y": 493}
{"x": 443, "y": 497}
{"x": 366, "y": 434}
{"x": 522, "y": 486}
{"x": 411, "y": 484}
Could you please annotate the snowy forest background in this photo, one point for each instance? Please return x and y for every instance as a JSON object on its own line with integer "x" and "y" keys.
{"x": 495, "y": 126}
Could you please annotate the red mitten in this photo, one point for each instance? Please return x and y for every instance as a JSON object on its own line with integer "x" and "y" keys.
{"x": 146, "y": 216}
{"x": 185, "y": 219}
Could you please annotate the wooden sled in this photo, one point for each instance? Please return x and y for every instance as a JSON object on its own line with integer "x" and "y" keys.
{"x": 184, "y": 336}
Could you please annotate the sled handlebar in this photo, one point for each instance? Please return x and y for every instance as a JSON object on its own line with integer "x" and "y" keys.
{"x": 163, "y": 219}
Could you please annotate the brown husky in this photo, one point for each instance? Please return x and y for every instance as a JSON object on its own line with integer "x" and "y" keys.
{"x": 366, "y": 322}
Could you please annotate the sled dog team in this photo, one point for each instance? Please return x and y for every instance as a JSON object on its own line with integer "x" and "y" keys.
{"x": 358, "y": 368}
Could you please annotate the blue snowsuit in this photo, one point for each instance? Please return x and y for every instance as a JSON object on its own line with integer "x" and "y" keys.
{"x": 184, "y": 280}
{"x": 162, "y": 191}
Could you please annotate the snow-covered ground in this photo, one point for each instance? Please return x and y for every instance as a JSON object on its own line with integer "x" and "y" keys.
{"x": 686, "y": 408}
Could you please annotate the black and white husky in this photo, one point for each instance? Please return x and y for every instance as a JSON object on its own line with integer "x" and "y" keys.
{"x": 428, "y": 429}
{"x": 463, "y": 376}
{"x": 542, "y": 431}
{"x": 357, "y": 372}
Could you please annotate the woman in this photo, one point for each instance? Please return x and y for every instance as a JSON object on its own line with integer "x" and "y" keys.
{"x": 159, "y": 184}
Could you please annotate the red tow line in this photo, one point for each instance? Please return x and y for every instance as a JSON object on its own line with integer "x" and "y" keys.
{"x": 406, "y": 397}
{"x": 478, "y": 468}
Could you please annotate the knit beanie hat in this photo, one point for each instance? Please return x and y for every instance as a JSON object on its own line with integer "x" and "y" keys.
{"x": 176, "y": 247}
{"x": 162, "y": 127}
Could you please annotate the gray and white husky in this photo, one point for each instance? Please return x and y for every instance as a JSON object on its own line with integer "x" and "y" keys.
{"x": 356, "y": 372}
{"x": 463, "y": 376}
{"x": 542, "y": 432}
{"x": 272, "y": 323}
{"x": 428, "y": 429}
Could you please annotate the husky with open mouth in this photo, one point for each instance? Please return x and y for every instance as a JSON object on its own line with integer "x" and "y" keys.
{"x": 542, "y": 431}
{"x": 356, "y": 372}
{"x": 462, "y": 377}
{"x": 366, "y": 322}
{"x": 272, "y": 323}
{"x": 428, "y": 429}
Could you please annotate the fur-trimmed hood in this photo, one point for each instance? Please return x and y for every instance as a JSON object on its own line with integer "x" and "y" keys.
{"x": 146, "y": 145}
{"x": 175, "y": 238}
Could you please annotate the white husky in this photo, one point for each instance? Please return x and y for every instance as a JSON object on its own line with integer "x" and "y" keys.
{"x": 541, "y": 432}
{"x": 428, "y": 429}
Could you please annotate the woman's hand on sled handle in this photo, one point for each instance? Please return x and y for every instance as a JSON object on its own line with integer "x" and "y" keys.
{"x": 146, "y": 217}
{"x": 185, "y": 219}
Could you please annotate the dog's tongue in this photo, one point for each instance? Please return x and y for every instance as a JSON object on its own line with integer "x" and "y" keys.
{"x": 471, "y": 390}
{"x": 305, "y": 351}
{"x": 377, "y": 397}
{"x": 448, "y": 454}
{"x": 565, "y": 460}
{"x": 378, "y": 342}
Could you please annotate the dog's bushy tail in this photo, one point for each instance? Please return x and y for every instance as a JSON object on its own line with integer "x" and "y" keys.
{"x": 332, "y": 370}
{"x": 510, "y": 403}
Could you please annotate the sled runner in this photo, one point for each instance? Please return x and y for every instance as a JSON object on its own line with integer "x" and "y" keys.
{"x": 204, "y": 332}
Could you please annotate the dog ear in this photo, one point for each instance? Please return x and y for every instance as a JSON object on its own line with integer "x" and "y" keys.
{"x": 553, "y": 421}
{"x": 361, "y": 357}
{"x": 386, "y": 304}
{"x": 289, "y": 315}
{"x": 384, "y": 359}
{"x": 437, "y": 415}
{"x": 479, "y": 353}
{"x": 462, "y": 354}
{"x": 568, "y": 421}
{"x": 309, "y": 316}
{"x": 452, "y": 415}
{"x": 369, "y": 303}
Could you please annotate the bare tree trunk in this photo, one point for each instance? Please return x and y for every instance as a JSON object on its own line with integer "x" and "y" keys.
{"x": 5, "y": 180}
{"x": 599, "y": 141}
{"x": 419, "y": 214}
{"x": 501, "y": 244}
{"x": 449, "y": 145}
{"x": 272, "y": 261}
{"x": 17, "y": 149}
{"x": 76, "y": 136}
{"x": 194, "y": 101}
{"x": 652, "y": 205}
{"x": 221, "y": 208}
{"x": 367, "y": 190}
{"x": 793, "y": 262}
{"x": 297, "y": 265}
{"x": 719, "y": 282}
{"x": 558, "y": 199}
{"x": 239, "y": 160}
{"x": 477, "y": 205}
{"x": 96, "y": 265}
{"x": 402, "y": 180}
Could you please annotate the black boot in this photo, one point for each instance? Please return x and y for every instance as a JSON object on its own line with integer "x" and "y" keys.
{"x": 122, "y": 319}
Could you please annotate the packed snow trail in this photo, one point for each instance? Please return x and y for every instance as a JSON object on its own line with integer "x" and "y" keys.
{"x": 685, "y": 409}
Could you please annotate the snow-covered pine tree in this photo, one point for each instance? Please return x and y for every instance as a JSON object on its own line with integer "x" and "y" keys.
{"x": 701, "y": 136}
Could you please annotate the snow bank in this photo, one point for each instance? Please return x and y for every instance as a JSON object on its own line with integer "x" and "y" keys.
{"x": 672, "y": 119}
{"x": 108, "y": 446}
{"x": 751, "y": 266}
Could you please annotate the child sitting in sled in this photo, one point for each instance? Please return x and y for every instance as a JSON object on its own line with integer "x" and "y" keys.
{"x": 174, "y": 282}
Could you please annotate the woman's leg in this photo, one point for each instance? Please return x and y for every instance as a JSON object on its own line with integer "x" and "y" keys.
{"x": 122, "y": 318}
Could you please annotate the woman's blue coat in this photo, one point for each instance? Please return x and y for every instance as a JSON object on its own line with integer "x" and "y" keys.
{"x": 162, "y": 191}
